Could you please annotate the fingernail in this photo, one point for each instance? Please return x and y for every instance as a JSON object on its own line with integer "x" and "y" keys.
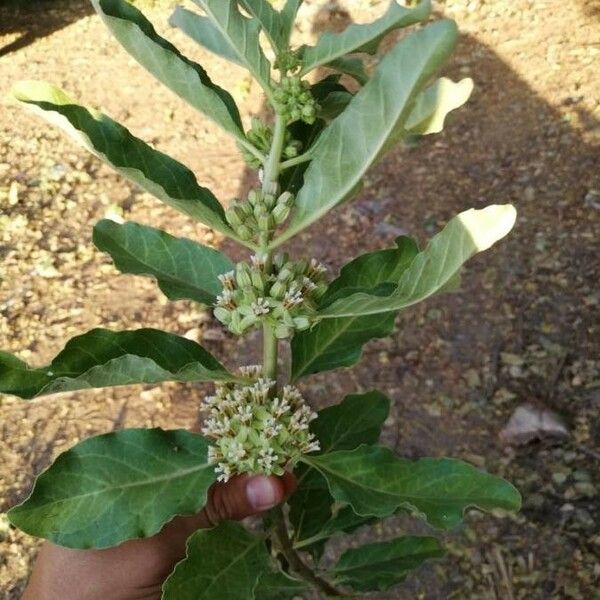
{"x": 262, "y": 492}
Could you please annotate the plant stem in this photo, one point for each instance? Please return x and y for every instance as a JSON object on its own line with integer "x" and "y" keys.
{"x": 292, "y": 162}
{"x": 296, "y": 564}
{"x": 269, "y": 352}
{"x": 272, "y": 167}
{"x": 270, "y": 348}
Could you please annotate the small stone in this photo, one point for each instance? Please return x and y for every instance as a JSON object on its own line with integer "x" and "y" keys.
{"x": 195, "y": 334}
{"x": 559, "y": 478}
{"x": 529, "y": 422}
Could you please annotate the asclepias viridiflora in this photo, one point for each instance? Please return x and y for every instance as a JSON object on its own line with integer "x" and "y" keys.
{"x": 311, "y": 156}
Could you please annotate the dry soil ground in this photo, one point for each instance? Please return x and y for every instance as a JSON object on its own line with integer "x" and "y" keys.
{"x": 524, "y": 327}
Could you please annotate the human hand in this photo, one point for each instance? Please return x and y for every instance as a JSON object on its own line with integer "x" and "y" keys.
{"x": 135, "y": 570}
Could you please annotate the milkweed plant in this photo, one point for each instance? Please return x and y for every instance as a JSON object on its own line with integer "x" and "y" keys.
{"x": 311, "y": 154}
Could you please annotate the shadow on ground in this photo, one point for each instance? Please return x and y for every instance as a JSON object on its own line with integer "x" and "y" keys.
{"x": 31, "y": 20}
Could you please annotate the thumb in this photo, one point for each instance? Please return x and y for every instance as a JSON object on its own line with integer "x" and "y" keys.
{"x": 245, "y": 495}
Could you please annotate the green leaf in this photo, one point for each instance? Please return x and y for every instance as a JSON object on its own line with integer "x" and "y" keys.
{"x": 155, "y": 172}
{"x": 116, "y": 487}
{"x": 376, "y": 483}
{"x": 204, "y": 32}
{"x": 356, "y": 420}
{"x": 182, "y": 268}
{"x": 288, "y": 16}
{"x": 269, "y": 19}
{"x": 350, "y": 66}
{"x": 434, "y": 104}
{"x": 278, "y": 586}
{"x": 103, "y": 358}
{"x": 241, "y": 34}
{"x": 334, "y": 343}
{"x": 378, "y": 567}
{"x": 181, "y": 75}
{"x": 355, "y": 139}
{"x": 467, "y": 234}
{"x": 224, "y": 563}
{"x": 362, "y": 38}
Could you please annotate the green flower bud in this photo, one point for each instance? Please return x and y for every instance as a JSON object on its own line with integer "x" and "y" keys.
{"x": 223, "y": 315}
{"x": 248, "y": 322}
{"x": 258, "y": 280}
{"x": 285, "y": 199}
{"x": 283, "y": 331}
{"x": 231, "y": 214}
{"x": 278, "y": 290}
{"x": 243, "y": 275}
{"x": 301, "y": 323}
{"x": 244, "y": 232}
{"x": 280, "y": 214}
{"x": 266, "y": 223}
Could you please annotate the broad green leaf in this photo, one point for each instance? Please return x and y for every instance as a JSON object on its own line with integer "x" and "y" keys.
{"x": 278, "y": 586}
{"x": 350, "y": 66}
{"x": 467, "y": 234}
{"x": 434, "y": 104}
{"x": 103, "y": 358}
{"x": 204, "y": 32}
{"x": 375, "y": 115}
{"x": 116, "y": 487}
{"x": 362, "y": 38}
{"x": 155, "y": 172}
{"x": 288, "y": 16}
{"x": 181, "y": 75}
{"x": 356, "y": 420}
{"x": 269, "y": 19}
{"x": 372, "y": 270}
{"x": 334, "y": 105}
{"x": 224, "y": 563}
{"x": 183, "y": 268}
{"x": 379, "y": 566}
{"x": 241, "y": 34}
{"x": 376, "y": 483}
{"x": 334, "y": 343}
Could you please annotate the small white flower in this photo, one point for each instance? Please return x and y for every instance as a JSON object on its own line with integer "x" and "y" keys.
{"x": 260, "y": 307}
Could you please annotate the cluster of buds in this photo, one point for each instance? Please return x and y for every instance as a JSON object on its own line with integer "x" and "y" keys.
{"x": 260, "y": 135}
{"x": 258, "y": 216}
{"x": 255, "y": 431}
{"x": 288, "y": 60}
{"x": 286, "y": 297}
{"x": 294, "y": 100}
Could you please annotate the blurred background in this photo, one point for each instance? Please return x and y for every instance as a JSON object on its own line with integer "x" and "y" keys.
{"x": 504, "y": 373}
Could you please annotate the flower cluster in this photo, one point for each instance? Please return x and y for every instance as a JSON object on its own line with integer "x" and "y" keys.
{"x": 254, "y": 432}
{"x": 259, "y": 215}
{"x": 286, "y": 297}
{"x": 287, "y": 60}
{"x": 294, "y": 100}
{"x": 260, "y": 135}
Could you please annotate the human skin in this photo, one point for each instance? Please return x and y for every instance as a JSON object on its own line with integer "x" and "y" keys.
{"x": 135, "y": 570}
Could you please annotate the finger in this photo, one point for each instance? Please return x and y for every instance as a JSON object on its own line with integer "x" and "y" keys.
{"x": 290, "y": 483}
{"x": 243, "y": 496}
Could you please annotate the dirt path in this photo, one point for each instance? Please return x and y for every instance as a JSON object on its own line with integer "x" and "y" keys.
{"x": 523, "y": 327}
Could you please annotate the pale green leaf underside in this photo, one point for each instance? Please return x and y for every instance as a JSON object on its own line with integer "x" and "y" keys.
{"x": 434, "y": 104}
{"x": 376, "y": 483}
{"x": 467, "y": 234}
{"x": 103, "y": 358}
{"x": 363, "y": 37}
{"x": 224, "y": 563}
{"x": 117, "y": 486}
{"x": 241, "y": 34}
{"x": 183, "y": 268}
{"x": 270, "y": 21}
{"x": 334, "y": 343}
{"x": 376, "y": 115}
{"x": 379, "y": 566}
{"x": 288, "y": 16}
{"x": 155, "y": 172}
{"x": 204, "y": 32}
{"x": 182, "y": 76}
